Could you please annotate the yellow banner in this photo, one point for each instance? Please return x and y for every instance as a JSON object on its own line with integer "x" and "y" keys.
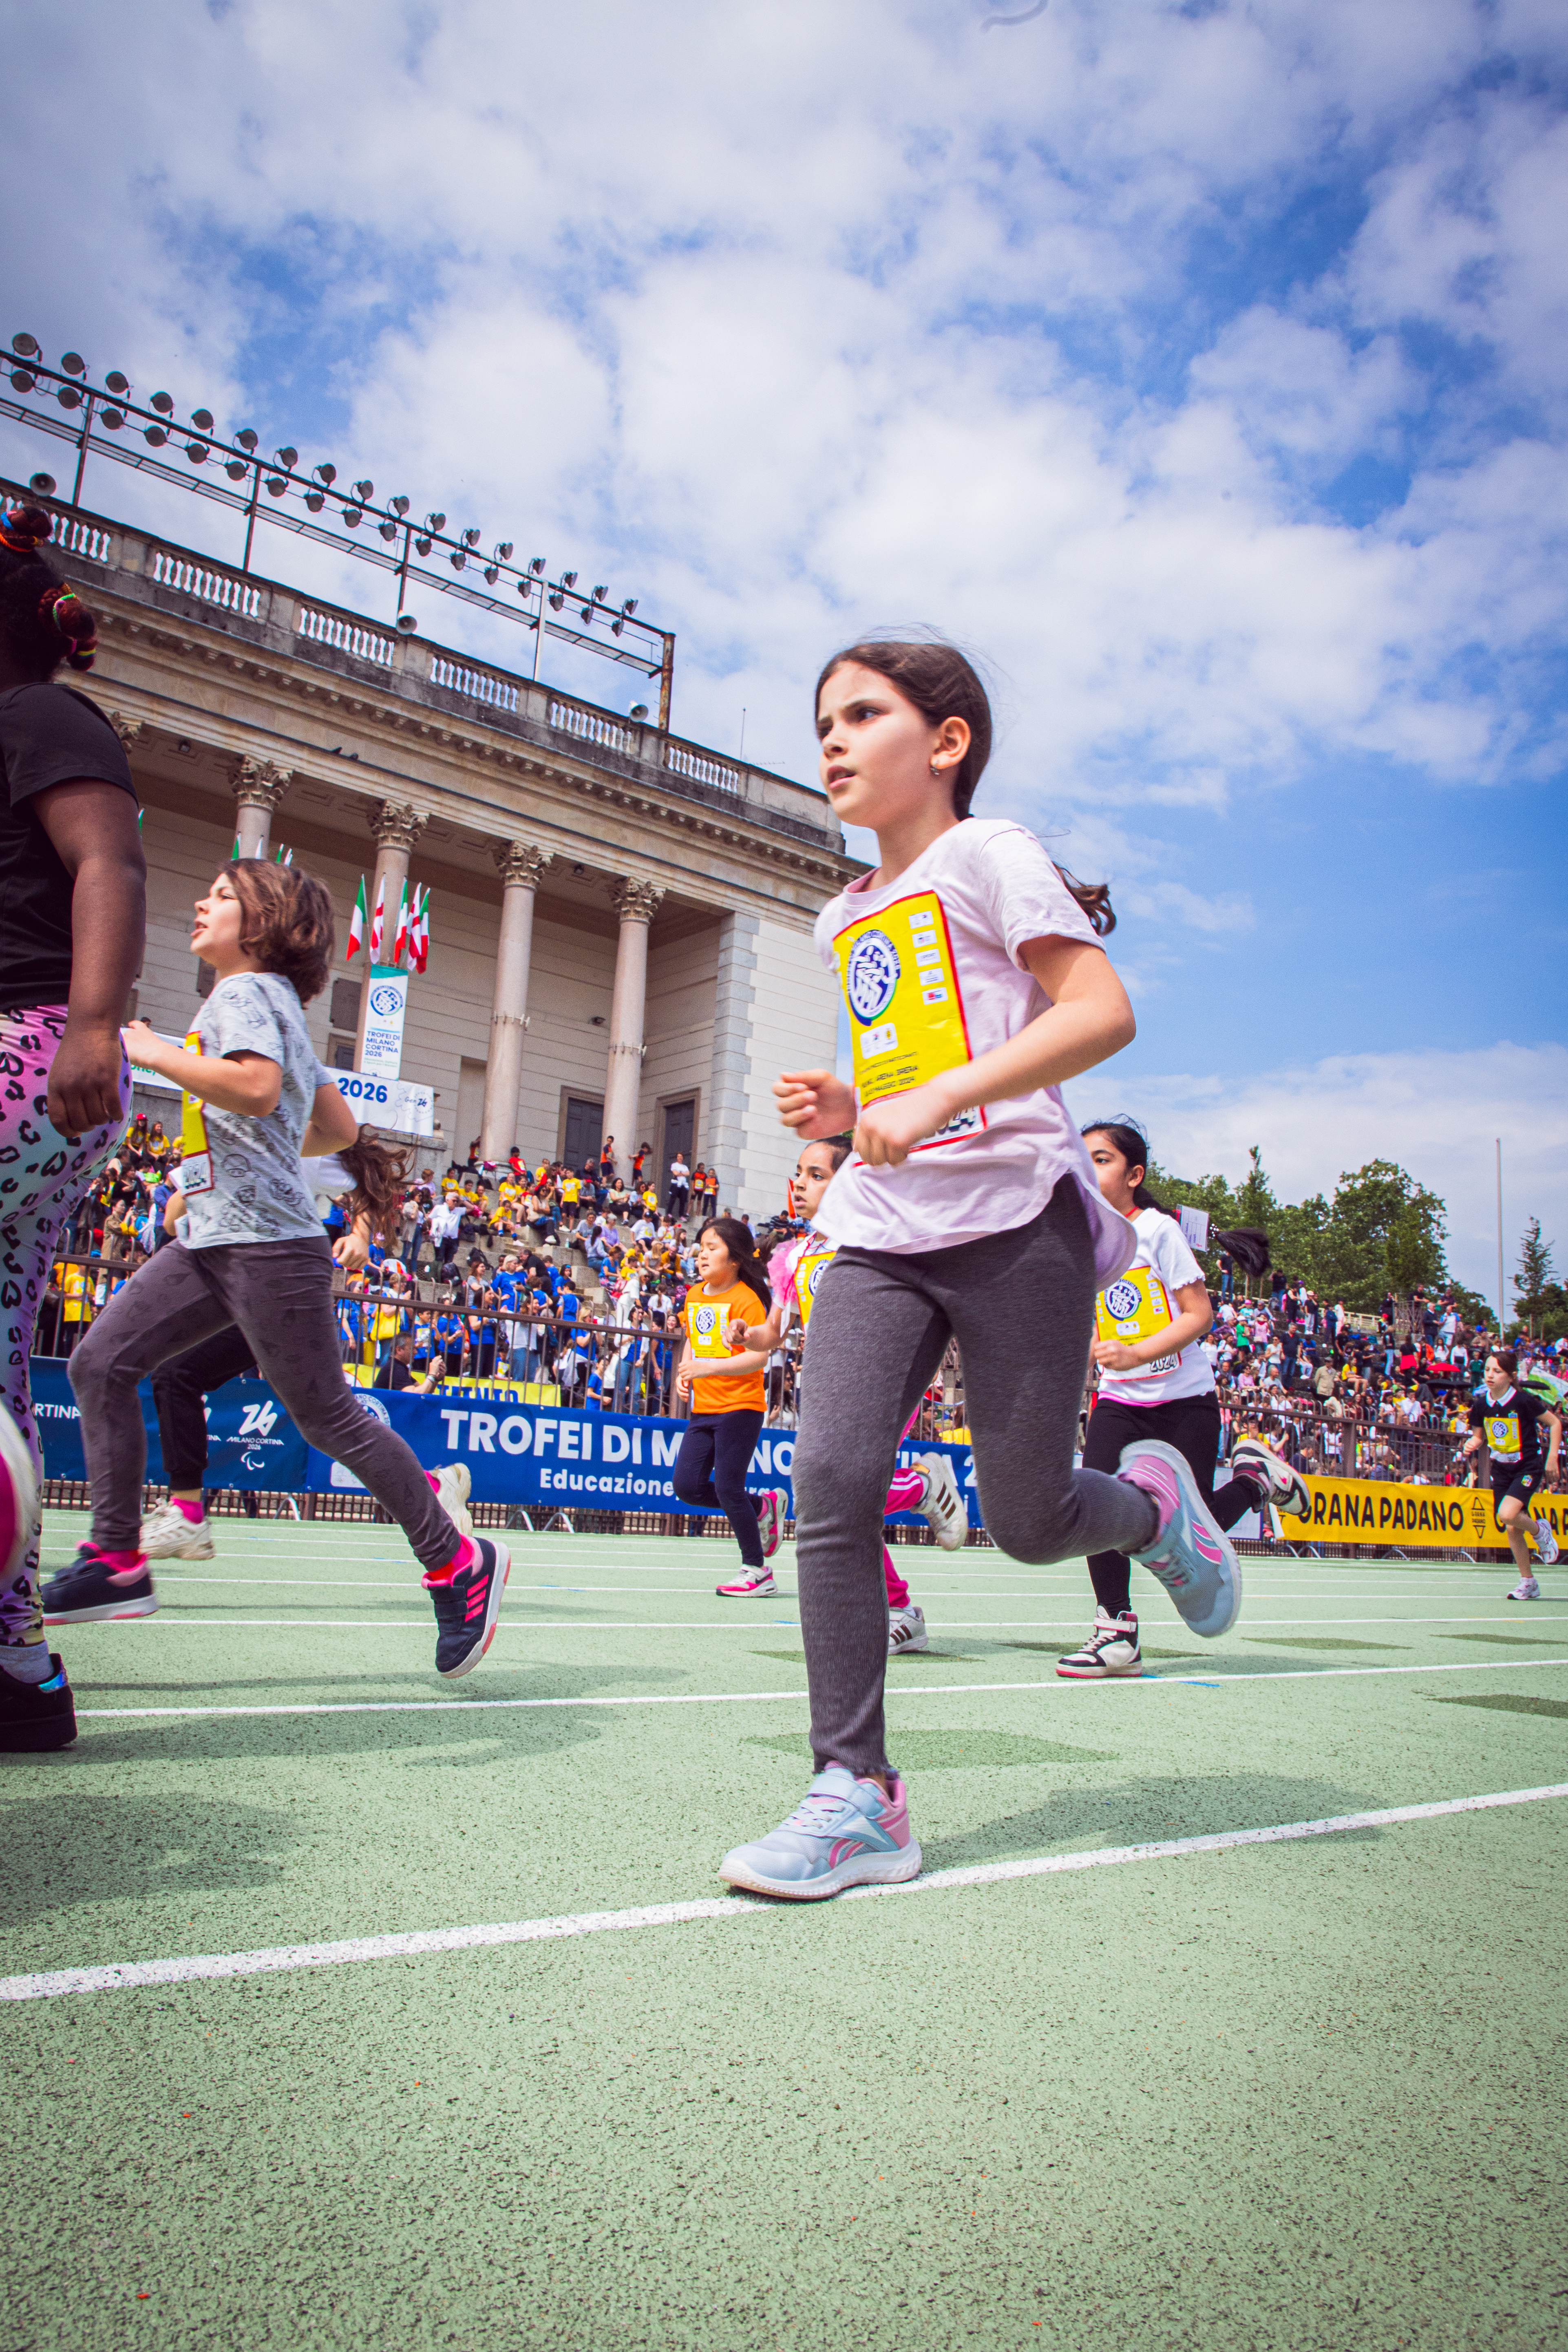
{"x": 1374, "y": 1511}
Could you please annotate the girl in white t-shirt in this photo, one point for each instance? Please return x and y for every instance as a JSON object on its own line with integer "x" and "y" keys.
{"x": 1154, "y": 1380}
{"x": 969, "y": 1211}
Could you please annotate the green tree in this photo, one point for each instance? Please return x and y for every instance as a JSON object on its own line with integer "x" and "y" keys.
{"x": 1540, "y": 1303}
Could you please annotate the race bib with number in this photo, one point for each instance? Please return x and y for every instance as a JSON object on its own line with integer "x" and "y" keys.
{"x": 705, "y": 1324}
{"x": 195, "y": 1152}
{"x": 1134, "y": 1307}
{"x": 809, "y": 1269}
{"x": 1502, "y": 1436}
{"x": 906, "y": 1010}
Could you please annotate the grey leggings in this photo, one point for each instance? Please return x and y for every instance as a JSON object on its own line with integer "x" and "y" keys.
{"x": 1020, "y": 1306}
{"x": 281, "y": 1295}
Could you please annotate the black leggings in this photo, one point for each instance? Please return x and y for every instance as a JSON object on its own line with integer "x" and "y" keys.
{"x": 180, "y": 1387}
{"x": 710, "y": 1470}
{"x": 1191, "y": 1425}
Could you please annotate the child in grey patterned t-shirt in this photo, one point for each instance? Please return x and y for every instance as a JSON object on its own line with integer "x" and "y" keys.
{"x": 256, "y": 1257}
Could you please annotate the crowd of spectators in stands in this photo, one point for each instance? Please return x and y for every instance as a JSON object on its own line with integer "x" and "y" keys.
{"x": 570, "y": 1282}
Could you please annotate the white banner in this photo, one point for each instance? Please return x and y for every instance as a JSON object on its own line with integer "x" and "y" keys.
{"x": 388, "y": 1102}
{"x": 382, "y": 1055}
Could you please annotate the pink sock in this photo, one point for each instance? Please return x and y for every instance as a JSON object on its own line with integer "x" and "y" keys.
{"x": 468, "y": 1552}
{"x": 898, "y": 1590}
{"x": 192, "y": 1511}
{"x": 906, "y": 1493}
{"x": 120, "y": 1564}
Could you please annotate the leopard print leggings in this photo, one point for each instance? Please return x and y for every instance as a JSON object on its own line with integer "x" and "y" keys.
{"x": 43, "y": 1176}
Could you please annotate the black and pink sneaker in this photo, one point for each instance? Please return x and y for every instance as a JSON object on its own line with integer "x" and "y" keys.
{"x": 467, "y": 1608}
{"x": 98, "y": 1587}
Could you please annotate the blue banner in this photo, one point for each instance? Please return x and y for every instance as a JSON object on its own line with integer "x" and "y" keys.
{"x": 557, "y": 1457}
{"x": 251, "y": 1441}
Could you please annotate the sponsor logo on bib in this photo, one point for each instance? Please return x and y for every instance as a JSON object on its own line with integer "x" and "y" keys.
{"x": 870, "y": 975}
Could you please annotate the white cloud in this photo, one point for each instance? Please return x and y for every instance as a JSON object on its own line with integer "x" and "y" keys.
{"x": 1434, "y": 1113}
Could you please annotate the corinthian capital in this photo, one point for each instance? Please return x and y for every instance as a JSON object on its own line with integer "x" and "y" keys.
{"x": 397, "y": 825}
{"x": 259, "y": 784}
{"x": 634, "y": 901}
{"x": 520, "y": 861}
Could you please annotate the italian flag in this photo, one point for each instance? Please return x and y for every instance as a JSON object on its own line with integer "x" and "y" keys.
{"x": 356, "y": 925}
{"x": 378, "y": 922}
{"x": 400, "y": 943}
{"x": 423, "y": 929}
{"x": 418, "y": 936}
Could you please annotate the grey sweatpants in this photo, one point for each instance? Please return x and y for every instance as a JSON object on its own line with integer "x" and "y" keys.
{"x": 1021, "y": 1307}
{"x": 281, "y": 1295}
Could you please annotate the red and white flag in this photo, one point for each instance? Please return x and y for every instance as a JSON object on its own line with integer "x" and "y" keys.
{"x": 356, "y": 925}
{"x": 378, "y": 922}
{"x": 400, "y": 943}
{"x": 421, "y": 942}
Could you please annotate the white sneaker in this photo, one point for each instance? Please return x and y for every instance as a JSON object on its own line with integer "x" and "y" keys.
{"x": 775, "y": 1503}
{"x": 906, "y": 1628}
{"x": 453, "y": 1486}
{"x": 1546, "y": 1540}
{"x": 1526, "y": 1588}
{"x": 1282, "y": 1485}
{"x": 1111, "y": 1649}
{"x": 751, "y": 1584}
{"x": 943, "y": 1509}
{"x": 167, "y": 1533}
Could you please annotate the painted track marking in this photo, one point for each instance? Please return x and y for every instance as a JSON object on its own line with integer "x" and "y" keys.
{"x": 129, "y": 1975}
{"x": 756, "y": 1698}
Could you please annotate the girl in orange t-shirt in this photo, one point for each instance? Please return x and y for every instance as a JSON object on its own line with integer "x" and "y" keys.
{"x": 725, "y": 1386}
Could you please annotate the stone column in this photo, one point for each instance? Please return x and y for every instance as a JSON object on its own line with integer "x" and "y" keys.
{"x": 636, "y": 904}
{"x": 521, "y": 864}
{"x": 396, "y": 826}
{"x": 726, "y": 1102}
{"x": 259, "y": 786}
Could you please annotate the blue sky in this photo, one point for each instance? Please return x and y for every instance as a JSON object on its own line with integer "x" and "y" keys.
{"x": 1203, "y": 368}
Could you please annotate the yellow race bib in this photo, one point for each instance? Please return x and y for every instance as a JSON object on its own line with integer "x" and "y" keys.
{"x": 195, "y": 1152}
{"x": 1502, "y": 1434}
{"x": 1134, "y": 1307}
{"x": 906, "y": 1011}
{"x": 809, "y": 1269}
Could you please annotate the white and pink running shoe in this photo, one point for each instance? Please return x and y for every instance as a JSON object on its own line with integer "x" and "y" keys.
{"x": 751, "y": 1584}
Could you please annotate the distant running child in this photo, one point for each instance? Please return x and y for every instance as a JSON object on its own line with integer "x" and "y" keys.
{"x": 928, "y": 1486}
{"x": 1507, "y": 1420}
{"x": 255, "y": 1256}
{"x": 725, "y": 1386}
{"x": 1155, "y": 1381}
{"x": 975, "y": 982}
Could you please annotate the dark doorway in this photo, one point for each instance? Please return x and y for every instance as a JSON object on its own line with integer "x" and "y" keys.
{"x": 680, "y": 1135}
{"x": 584, "y": 1131}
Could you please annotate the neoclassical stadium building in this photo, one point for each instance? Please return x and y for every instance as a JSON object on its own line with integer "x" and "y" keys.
{"x": 620, "y": 921}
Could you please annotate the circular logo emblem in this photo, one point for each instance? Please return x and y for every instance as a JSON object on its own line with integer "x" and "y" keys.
{"x": 813, "y": 1275}
{"x": 705, "y": 1321}
{"x": 385, "y": 1001}
{"x": 871, "y": 976}
{"x": 1123, "y": 1299}
{"x": 373, "y": 1406}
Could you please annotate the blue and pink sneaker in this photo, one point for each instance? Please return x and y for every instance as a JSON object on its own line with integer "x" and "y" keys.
{"x": 844, "y": 1832}
{"x": 467, "y": 1604}
{"x": 1189, "y": 1555}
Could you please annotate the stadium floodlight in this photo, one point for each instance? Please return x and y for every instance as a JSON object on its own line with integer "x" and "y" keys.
{"x": 43, "y": 484}
{"x": 235, "y": 471}
{"x": 408, "y": 624}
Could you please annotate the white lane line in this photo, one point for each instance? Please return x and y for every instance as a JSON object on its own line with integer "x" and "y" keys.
{"x": 587, "y": 1623}
{"x": 130, "y": 1975}
{"x": 178, "y": 1579}
{"x": 743, "y": 1698}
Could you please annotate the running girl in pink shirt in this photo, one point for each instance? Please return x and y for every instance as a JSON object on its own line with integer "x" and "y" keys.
{"x": 975, "y": 982}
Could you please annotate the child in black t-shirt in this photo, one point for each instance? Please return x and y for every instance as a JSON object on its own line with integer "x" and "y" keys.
{"x": 1507, "y": 1422}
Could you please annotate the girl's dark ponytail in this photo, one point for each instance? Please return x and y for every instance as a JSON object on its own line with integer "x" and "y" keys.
{"x": 42, "y": 619}
{"x": 741, "y": 1244}
{"x": 1247, "y": 1245}
{"x": 380, "y": 1170}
